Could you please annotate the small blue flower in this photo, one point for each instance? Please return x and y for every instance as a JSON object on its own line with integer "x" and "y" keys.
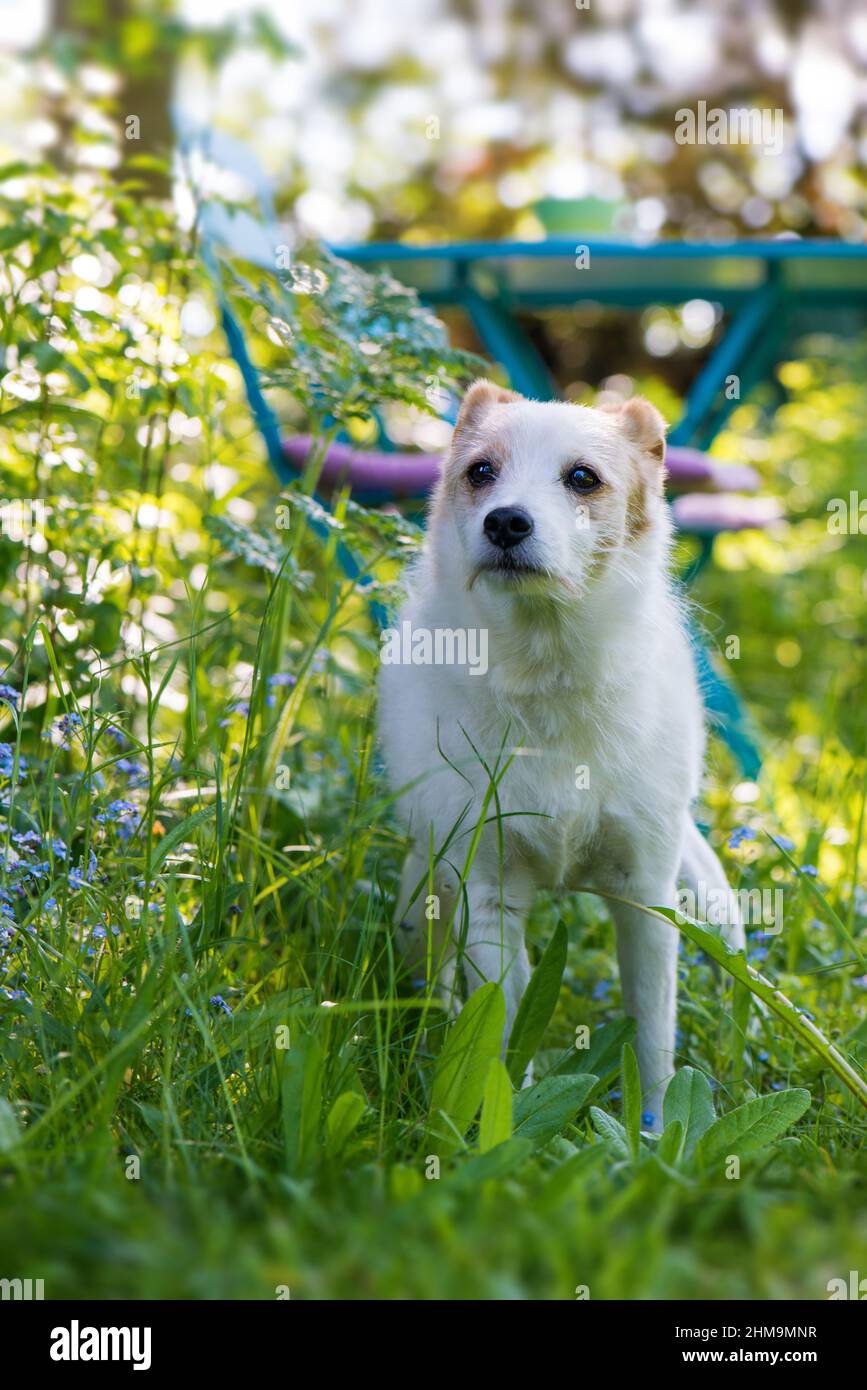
{"x": 601, "y": 989}
{"x": 219, "y": 1002}
{"x": 785, "y": 843}
{"x": 130, "y": 766}
{"x": 810, "y": 870}
{"x": 119, "y": 816}
{"x": 764, "y": 1056}
{"x": 65, "y": 728}
{"x": 237, "y": 707}
{"x": 7, "y": 761}
{"x": 647, "y": 1118}
{"x": 27, "y": 839}
{"x": 10, "y": 695}
{"x": 278, "y": 679}
{"x": 78, "y": 877}
{"x": 739, "y": 834}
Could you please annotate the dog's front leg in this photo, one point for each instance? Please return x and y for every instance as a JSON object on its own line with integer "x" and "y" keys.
{"x": 492, "y": 933}
{"x": 647, "y": 954}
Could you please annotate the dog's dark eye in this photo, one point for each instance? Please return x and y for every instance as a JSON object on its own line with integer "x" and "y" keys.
{"x": 480, "y": 473}
{"x": 582, "y": 479}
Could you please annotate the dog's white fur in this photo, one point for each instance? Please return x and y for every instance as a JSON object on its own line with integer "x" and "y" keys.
{"x": 589, "y": 667}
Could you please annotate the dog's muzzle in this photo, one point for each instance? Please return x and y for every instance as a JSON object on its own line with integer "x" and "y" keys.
{"x": 506, "y": 527}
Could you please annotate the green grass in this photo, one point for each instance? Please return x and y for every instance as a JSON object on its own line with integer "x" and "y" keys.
{"x": 154, "y": 1143}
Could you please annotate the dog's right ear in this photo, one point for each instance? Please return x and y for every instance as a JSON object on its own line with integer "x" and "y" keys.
{"x": 478, "y": 401}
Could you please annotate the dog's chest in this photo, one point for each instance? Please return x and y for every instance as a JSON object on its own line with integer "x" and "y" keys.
{"x": 561, "y": 787}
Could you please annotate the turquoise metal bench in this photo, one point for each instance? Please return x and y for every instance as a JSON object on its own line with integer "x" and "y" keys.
{"x": 761, "y": 285}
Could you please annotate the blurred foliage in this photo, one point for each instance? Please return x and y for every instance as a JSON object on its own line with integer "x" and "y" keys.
{"x": 461, "y": 120}
{"x": 351, "y": 341}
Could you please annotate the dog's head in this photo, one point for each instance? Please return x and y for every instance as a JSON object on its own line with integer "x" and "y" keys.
{"x": 540, "y": 497}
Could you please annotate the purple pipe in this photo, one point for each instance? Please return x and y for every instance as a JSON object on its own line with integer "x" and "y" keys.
{"x": 706, "y": 514}
{"x": 400, "y": 475}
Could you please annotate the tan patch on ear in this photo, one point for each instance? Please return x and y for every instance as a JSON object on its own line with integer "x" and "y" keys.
{"x": 478, "y": 401}
{"x": 637, "y": 516}
{"x": 645, "y": 426}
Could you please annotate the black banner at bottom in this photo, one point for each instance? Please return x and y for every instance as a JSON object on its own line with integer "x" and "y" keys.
{"x": 84, "y": 1339}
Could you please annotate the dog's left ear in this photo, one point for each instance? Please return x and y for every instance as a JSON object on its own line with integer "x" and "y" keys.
{"x": 478, "y": 401}
{"x": 643, "y": 426}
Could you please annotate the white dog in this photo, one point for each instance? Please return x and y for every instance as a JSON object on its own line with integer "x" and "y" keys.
{"x": 570, "y": 756}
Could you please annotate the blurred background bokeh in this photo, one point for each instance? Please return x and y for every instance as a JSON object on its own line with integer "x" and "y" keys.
{"x": 435, "y": 118}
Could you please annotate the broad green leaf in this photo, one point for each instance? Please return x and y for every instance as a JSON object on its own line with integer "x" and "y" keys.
{"x": 496, "y": 1163}
{"x": 752, "y": 1126}
{"x": 670, "y": 1143}
{"x": 543, "y": 1110}
{"x": 301, "y": 1100}
{"x": 537, "y": 1006}
{"x": 603, "y": 1056}
{"x": 343, "y": 1118}
{"x": 462, "y": 1067}
{"x": 610, "y": 1130}
{"x": 631, "y": 1100}
{"x": 496, "y": 1123}
{"x": 689, "y": 1099}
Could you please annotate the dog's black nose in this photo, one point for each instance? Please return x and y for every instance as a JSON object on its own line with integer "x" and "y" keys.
{"x": 507, "y": 526}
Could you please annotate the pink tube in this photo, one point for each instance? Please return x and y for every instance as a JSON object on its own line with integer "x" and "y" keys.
{"x": 399, "y": 475}
{"x": 402, "y": 475}
{"x": 708, "y": 513}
